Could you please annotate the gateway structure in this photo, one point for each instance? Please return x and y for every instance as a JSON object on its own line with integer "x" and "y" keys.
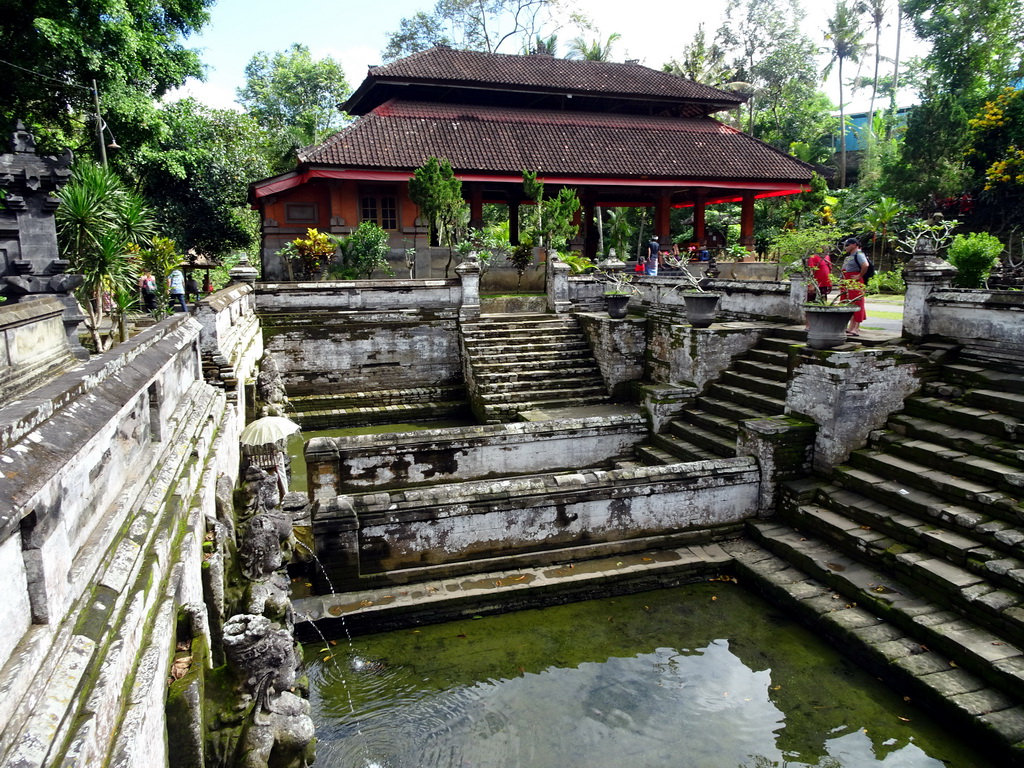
{"x": 620, "y": 134}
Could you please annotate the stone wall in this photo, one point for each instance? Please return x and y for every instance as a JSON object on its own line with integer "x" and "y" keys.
{"x": 353, "y": 337}
{"x": 108, "y": 473}
{"x": 231, "y": 342}
{"x": 678, "y": 353}
{"x": 991, "y": 322}
{"x": 344, "y": 465}
{"x": 619, "y": 346}
{"x": 33, "y": 345}
{"x": 358, "y": 536}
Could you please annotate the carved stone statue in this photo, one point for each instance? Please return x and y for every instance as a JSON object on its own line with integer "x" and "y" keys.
{"x": 263, "y": 544}
{"x": 263, "y": 655}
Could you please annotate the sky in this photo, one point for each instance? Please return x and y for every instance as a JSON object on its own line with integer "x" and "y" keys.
{"x": 355, "y": 32}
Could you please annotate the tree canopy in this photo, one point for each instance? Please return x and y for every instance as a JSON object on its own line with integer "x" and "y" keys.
{"x": 134, "y": 49}
{"x": 295, "y": 95}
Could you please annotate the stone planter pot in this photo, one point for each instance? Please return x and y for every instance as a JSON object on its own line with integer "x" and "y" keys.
{"x": 701, "y": 307}
{"x": 617, "y": 303}
{"x": 827, "y": 325}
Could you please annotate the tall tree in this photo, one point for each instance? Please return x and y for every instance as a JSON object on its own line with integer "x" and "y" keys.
{"x": 702, "y": 62}
{"x": 476, "y": 25}
{"x": 876, "y": 12}
{"x": 55, "y": 48}
{"x": 845, "y": 35}
{"x": 196, "y": 173}
{"x": 295, "y": 94}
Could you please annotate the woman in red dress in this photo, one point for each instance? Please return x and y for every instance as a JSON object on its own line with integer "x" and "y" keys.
{"x": 854, "y": 267}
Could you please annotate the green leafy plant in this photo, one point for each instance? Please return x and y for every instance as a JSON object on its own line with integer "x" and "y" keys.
{"x": 99, "y": 225}
{"x": 362, "y": 253}
{"x": 438, "y": 194}
{"x": 521, "y": 258}
{"x": 974, "y": 255}
{"x": 160, "y": 258}
{"x": 890, "y": 281}
{"x": 578, "y": 263}
{"x": 308, "y": 255}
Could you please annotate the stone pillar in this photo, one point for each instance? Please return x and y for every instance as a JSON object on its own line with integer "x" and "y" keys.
{"x": 925, "y": 273}
{"x": 783, "y": 447}
{"x": 513, "y": 219}
{"x": 558, "y": 285}
{"x": 469, "y": 273}
{"x": 662, "y": 221}
{"x": 243, "y": 272}
{"x": 850, "y": 393}
{"x": 589, "y": 228}
{"x": 322, "y": 469}
{"x": 797, "y": 297}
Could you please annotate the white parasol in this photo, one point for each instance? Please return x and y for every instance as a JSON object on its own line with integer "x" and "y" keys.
{"x": 268, "y": 430}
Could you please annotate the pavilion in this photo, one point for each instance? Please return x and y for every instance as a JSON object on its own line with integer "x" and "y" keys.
{"x": 620, "y": 134}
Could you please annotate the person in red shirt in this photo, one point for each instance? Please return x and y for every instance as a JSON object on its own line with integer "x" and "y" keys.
{"x": 820, "y": 284}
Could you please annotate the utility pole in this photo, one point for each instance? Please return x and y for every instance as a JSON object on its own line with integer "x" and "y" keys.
{"x": 99, "y": 123}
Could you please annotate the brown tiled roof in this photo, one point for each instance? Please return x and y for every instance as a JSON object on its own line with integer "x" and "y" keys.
{"x": 403, "y": 135}
{"x": 453, "y": 68}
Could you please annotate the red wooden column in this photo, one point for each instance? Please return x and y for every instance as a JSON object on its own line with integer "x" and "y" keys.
{"x": 476, "y": 205}
{"x": 699, "y": 206}
{"x": 747, "y": 221}
{"x": 662, "y": 209}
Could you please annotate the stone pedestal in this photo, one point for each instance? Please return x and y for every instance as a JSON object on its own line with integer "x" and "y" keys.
{"x": 558, "y": 286}
{"x": 469, "y": 273}
{"x": 924, "y": 274}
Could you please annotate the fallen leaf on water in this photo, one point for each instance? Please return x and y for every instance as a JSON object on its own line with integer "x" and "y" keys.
{"x": 906, "y": 699}
{"x": 328, "y": 658}
{"x": 904, "y": 719}
{"x": 618, "y": 564}
{"x": 647, "y": 559}
{"x": 777, "y": 688}
{"x": 497, "y": 583}
{"x": 334, "y": 642}
{"x": 647, "y": 607}
{"x": 308, "y": 584}
{"x": 463, "y": 635}
{"x": 366, "y": 603}
{"x": 519, "y": 578}
{"x": 714, "y": 597}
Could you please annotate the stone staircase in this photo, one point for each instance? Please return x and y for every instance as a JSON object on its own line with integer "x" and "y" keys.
{"x": 360, "y": 409}
{"x": 753, "y": 387}
{"x": 522, "y": 362}
{"x": 923, "y": 531}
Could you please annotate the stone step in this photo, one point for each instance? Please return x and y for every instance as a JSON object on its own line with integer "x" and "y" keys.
{"x": 485, "y": 339}
{"x": 781, "y": 344}
{"x": 521, "y": 347}
{"x": 537, "y": 394}
{"x": 953, "y": 586}
{"x": 983, "y": 420}
{"x": 681, "y": 449}
{"x": 774, "y": 358}
{"x": 734, "y": 404}
{"x": 588, "y": 385}
{"x": 375, "y": 398}
{"x": 756, "y": 383}
{"x": 761, "y": 405}
{"x": 959, "y": 438}
{"x": 919, "y": 650}
{"x": 925, "y": 505}
{"x": 709, "y": 443}
{"x": 508, "y": 411}
{"x": 336, "y": 418}
{"x": 654, "y": 456}
{"x": 490, "y": 362}
{"x": 978, "y": 494}
{"x": 724, "y": 425}
{"x": 503, "y": 375}
{"x": 990, "y": 656}
{"x": 953, "y": 460}
{"x": 968, "y": 375}
{"x": 972, "y": 549}
{"x": 762, "y": 369}
{"x": 1008, "y": 403}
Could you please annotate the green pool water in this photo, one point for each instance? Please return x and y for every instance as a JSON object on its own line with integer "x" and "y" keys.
{"x": 702, "y": 676}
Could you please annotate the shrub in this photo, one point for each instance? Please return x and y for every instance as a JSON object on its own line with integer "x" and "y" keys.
{"x": 887, "y": 282}
{"x": 974, "y": 255}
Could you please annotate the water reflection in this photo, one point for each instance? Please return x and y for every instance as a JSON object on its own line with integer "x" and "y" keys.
{"x": 751, "y": 690}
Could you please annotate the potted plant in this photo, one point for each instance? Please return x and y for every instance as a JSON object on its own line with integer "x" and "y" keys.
{"x": 617, "y": 293}
{"x": 827, "y": 316}
{"x": 701, "y": 305}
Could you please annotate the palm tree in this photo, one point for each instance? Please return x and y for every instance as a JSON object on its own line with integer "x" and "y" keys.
{"x": 593, "y": 50}
{"x": 847, "y": 39}
{"x": 876, "y": 10}
{"x": 98, "y": 222}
